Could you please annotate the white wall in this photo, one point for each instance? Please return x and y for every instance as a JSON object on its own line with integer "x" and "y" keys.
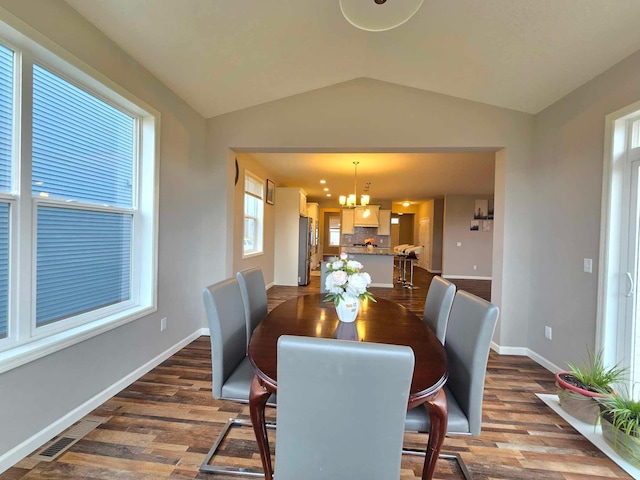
{"x": 347, "y": 117}
{"x": 567, "y": 175}
{"x": 476, "y": 246}
{"x": 37, "y": 394}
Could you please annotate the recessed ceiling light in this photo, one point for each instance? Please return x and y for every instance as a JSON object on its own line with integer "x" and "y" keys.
{"x": 323, "y": 181}
{"x": 328, "y": 194}
{"x": 326, "y": 189}
{"x": 406, "y": 204}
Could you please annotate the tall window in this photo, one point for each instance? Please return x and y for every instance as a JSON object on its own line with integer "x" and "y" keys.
{"x": 253, "y": 214}
{"x": 78, "y": 197}
{"x": 334, "y": 231}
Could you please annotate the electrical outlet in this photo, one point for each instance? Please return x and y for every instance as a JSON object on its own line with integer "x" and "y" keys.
{"x": 459, "y": 244}
{"x": 587, "y": 265}
{"x": 547, "y": 333}
{"x": 475, "y": 267}
{"x": 163, "y": 324}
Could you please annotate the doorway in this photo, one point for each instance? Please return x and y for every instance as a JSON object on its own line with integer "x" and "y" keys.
{"x": 618, "y": 327}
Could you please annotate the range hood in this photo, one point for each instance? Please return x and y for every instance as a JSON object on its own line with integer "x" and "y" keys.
{"x": 366, "y": 216}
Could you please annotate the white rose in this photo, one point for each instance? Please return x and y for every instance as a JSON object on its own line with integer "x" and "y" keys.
{"x": 354, "y": 264}
{"x": 356, "y": 285}
{"x": 337, "y": 265}
{"x": 339, "y": 277}
{"x": 367, "y": 277}
{"x": 343, "y": 256}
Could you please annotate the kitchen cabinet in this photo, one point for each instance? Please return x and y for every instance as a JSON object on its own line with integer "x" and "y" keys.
{"x": 346, "y": 223}
{"x": 385, "y": 222}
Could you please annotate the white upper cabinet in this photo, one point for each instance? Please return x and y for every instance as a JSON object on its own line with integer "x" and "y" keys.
{"x": 346, "y": 223}
{"x": 385, "y": 222}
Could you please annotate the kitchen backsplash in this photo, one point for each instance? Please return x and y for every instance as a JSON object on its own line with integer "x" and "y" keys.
{"x": 361, "y": 233}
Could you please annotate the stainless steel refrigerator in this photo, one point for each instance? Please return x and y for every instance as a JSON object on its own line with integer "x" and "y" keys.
{"x": 304, "y": 251}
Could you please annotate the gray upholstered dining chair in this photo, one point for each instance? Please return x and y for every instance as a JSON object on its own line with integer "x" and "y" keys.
{"x": 254, "y": 296}
{"x": 437, "y": 306}
{"x": 232, "y": 373}
{"x": 469, "y": 332}
{"x": 341, "y": 409}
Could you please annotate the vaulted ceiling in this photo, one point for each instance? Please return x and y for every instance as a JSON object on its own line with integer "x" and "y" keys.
{"x": 221, "y": 56}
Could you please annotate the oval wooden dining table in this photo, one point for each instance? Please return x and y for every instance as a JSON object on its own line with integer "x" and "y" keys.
{"x": 378, "y": 322}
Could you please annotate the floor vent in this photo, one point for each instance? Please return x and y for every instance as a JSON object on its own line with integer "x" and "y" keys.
{"x": 64, "y": 441}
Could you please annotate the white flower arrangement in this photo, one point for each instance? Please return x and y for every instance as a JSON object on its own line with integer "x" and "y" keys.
{"x": 345, "y": 278}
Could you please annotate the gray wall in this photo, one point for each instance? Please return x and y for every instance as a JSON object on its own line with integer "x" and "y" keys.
{"x": 477, "y": 246}
{"x": 567, "y": 173}
{"x": 41, "y": 392}
{"x": 346, "y": 117}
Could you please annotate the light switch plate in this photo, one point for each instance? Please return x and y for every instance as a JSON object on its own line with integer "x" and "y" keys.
{"x": 588, "y": 265}
{"x": 459, "y": 244}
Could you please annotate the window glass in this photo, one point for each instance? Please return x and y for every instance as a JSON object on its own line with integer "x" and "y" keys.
{"x": 83, "y": 261}
{"x": 83, "y": 148}
{"x": 4, "y": 268}
{"x": 253, "y": 214}
{"x": 635, "y": 134}
{"x": 6, "y": 117}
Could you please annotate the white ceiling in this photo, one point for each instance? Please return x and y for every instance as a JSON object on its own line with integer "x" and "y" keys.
{"x": 392, "y": 176}
{"x": 222, "y": 56}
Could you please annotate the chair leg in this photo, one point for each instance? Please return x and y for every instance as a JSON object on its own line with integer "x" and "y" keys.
{"x": 447, "y": 456}
{"x": 206, "y": 468}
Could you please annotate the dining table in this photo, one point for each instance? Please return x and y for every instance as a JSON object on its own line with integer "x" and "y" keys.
{"x": 382, "y": 321}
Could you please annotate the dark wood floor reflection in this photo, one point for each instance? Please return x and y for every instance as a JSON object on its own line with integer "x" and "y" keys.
{"x": 164, "y": 423}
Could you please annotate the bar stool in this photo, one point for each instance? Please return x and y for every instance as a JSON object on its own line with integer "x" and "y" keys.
{"x": 398, "y": 250}
{"x": 412, "y": 254}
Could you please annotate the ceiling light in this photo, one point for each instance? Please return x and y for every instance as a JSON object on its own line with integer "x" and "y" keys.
{"x": 350, "y": 200}
{"x": 406, "y": 204}
{"x": 326, "y": 189}
{"x": 378, "y": 15}
{"x": 323, "y": 181}
{"x": 328, "y": 194}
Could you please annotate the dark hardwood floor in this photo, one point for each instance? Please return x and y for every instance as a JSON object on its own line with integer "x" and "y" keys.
{"x": 163, "y": 424}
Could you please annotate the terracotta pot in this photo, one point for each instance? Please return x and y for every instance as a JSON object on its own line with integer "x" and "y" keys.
{"x": 578, "y": 402}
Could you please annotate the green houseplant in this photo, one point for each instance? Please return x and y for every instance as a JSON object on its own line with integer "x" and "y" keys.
{"x": 620, "y": 420}
{"x": 581, "y": 385}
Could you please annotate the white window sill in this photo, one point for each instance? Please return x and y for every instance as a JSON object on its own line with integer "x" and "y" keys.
{"x": 28, "y": 352}
{"x": 254, "y": 254}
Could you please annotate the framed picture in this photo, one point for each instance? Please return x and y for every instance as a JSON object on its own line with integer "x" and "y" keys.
{"x": 271, "y": 192}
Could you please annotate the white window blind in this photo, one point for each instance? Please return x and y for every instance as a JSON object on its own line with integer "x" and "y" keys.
{"x": 6, "y": 154}
{"x": 83, "y": 151}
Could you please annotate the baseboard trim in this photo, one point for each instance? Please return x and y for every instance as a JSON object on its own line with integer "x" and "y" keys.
{"x": 526, "y": 352}
{"x": 466, "y": 277}
{"x": 520, "y": 351}
{"x": 20, "y": 451}
{"x": 433, "y": 271}
{"x": 270, "y": 285}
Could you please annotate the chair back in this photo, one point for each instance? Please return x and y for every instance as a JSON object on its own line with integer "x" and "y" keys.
{"x": 227, "y": 330}
{"x": 398, "y": 249}
{"x": 341, "y": 408}
{"x": 438, "y": 305}
{"x": 471, "y": 325}
{"x": 254, "y": 296}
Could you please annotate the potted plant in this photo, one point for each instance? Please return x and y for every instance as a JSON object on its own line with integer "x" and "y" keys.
{"x": 620, "y": 419}
{"x": 581, "y": 385}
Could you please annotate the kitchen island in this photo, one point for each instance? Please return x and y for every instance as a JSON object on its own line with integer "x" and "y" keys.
{"x": 377, "y": 262}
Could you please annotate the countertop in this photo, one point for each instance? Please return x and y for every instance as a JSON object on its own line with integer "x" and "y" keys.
{"x": 366, "y": 251}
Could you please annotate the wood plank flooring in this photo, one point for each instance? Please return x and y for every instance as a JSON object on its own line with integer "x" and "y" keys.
{"x": 162, "y": 425}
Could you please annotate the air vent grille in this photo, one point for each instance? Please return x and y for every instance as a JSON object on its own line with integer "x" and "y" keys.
{"x": 63, "y": 442}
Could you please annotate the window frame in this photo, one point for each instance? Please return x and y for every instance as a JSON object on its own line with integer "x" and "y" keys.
{"x": 259, "y": 219}
{"x": 24, "y": 342}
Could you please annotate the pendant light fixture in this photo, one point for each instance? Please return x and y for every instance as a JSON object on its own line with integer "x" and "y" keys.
{"x": 378, "y": 15}
{"x": 350, "y": 201}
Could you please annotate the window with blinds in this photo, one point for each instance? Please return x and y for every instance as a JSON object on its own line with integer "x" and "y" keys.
{"x": 6, "y": 154}
{"x": 253, "y": 214}
{"x": 78, "y": 195}
{"x": 83, "y": 151}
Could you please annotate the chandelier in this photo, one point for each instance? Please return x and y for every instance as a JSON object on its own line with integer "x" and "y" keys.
{"x": 378, "y": 15}
{"x": 350, "y": 200}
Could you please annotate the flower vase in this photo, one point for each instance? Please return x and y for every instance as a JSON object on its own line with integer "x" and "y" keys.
{"x": 348, "y": 308}
{"x": 346, "y": 331}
